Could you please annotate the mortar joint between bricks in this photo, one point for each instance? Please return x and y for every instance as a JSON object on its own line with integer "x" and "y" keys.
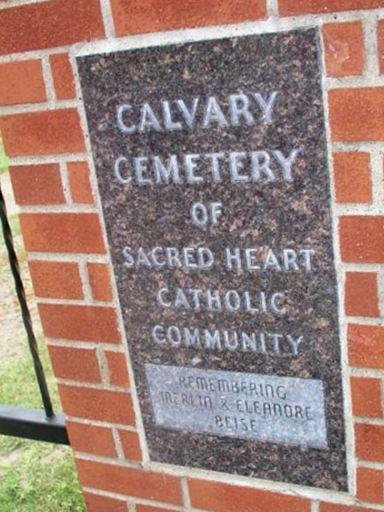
{"x": 377, "y": 179}
{"x": 380, "y": 292}
{"x": 86, "y": 285}
{"x": 98, "y": 423}
{"x": 131, "y": 505}
{"x": 370, "y": 321}
{"x": 185, "y": 493}
{"x": 16, "y": 3}
{"x": 48, "y": 80}
{"x": 362, "y": 420}
{"x": 370, "y": 33}
{"x": 65, "y": 183}
{"x": 112, "y": 461}
{"x": 59, "y": 208}
{"x": 382, "y": 397}
{"x": 47, "y": 159}
{"x": 272, "y": 8}
{"x": 109, "y": 25}
{"x": 100, "y": 386}
{"x": 75, "y": 302}
{"x": 367, "y": 372}
{"x": 314, "y": 506}
{"x": 42, "y": 107}
{"x": 118, "y": 444}
{"x": 103, "y": 365}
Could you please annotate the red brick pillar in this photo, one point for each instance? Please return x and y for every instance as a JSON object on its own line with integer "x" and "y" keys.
{"x": 54, "y": 184}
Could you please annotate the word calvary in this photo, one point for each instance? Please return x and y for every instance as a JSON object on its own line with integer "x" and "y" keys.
{"x": 235, "y": 110}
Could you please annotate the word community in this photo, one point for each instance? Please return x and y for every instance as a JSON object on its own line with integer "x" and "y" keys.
{"x": 276, "y": 344}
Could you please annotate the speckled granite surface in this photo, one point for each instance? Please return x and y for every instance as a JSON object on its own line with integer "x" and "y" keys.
{"x": 257, "y": 213}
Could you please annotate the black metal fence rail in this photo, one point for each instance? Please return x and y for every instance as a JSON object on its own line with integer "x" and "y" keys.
{"x": 18, "y": 421}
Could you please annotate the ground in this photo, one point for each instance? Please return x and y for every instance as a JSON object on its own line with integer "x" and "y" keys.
{"x": 34, "y": 476}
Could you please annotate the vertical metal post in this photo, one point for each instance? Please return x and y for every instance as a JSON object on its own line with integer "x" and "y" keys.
{"x": 26, "y": 316}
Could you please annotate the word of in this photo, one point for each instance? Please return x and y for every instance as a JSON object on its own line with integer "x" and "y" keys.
{"x": 201, "y": 214}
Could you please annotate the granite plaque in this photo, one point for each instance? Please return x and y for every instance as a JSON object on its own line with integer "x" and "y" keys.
{"x": 211, "y": 162}
{"x": 282, "y": 410}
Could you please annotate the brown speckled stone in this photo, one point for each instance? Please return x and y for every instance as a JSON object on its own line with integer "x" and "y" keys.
{"x": 263, "y": 215}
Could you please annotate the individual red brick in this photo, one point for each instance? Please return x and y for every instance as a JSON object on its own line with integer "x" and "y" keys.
{"x": 91, "y": 439}
{"x": 97, "y": 404}
{"x": 362, "y": 239}
{"x": 83, "y": 323}
{"x": 369, "y": 441}
{"x": 380, "y": 42}
{"x": 53, "y": 279}
{"x": 220, "y": 497}
{"x": 344, "y": 48}
{"x": 62, "y": 232}
{"x": 129, "y": 481}
{"x": 37, "y": 184}
{"x": 370, "y": 485}
{"x": 49, "y": 24}
{"x": 361, "y": 295}
{"x": 117, "y": 369}
{"x": 366, "y": 397}
{"x": 352, "y": 177}
{"x": 356, "y": 114}
{"x": 21, "y": 82}
{"x": 97, "y": 503}
{"x": 293, "y": 8}
{"x": 147, "y": 508}
{"x": 332, "y": 507}
{"x": 366, "y": 346}
{"x": 81, "y": 190}
{"x": 140, "y": 16}
{"x": 42, "y": 133}
{"x": 100, "y": 281}
{"x": 131, "y": 445}
{"x": 75, "y": 364}
{"x": 62, "y": 74}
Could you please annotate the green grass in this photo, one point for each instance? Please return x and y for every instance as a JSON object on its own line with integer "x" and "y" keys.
{"x": 3, "y": 158}
{"x": 18, "y": 384}
{"x": 42, "y": 480}
{"x": 34, "y": 476}
{"x": 15, "y": 224}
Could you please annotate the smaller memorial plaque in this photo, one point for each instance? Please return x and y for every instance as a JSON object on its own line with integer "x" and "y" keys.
{"x": 211, "y": 163}
{"x": 234, "y": 404}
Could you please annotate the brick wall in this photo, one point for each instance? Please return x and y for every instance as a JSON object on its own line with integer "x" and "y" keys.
{"x": 42, "y": 124}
